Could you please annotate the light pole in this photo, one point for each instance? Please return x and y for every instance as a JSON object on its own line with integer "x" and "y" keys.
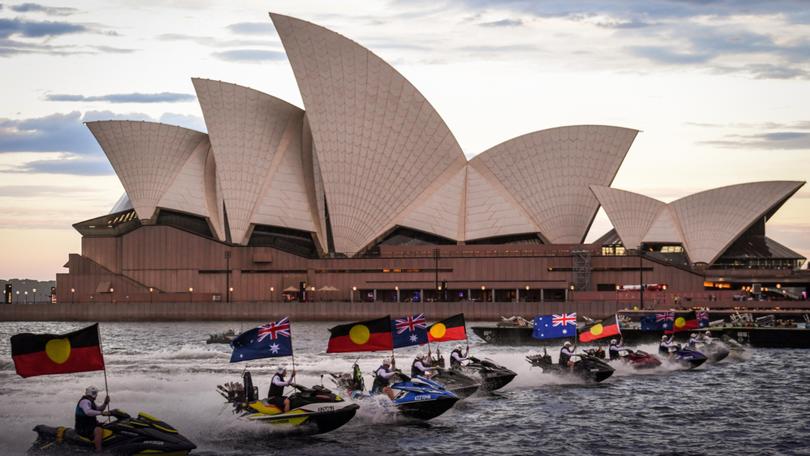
{"x": 230, "y": 291}
{"x": 35, "y": 295}
{"x": 436, "y": 269}
{"x": 26, "y": 296}
{"x": 18, "y": 296}
{"x": 640, "y": 279}
{"x": 483, "y": 293}
{"x": 227, "y": 276}
{"x": 272, "y": 293}
{"x": 617, "y": 297}
{"x": 572, "y": 287}
{"x": 151, "y": 290}
{"x": 72, "y": 295}
{"x": 112, "y": 295}
{"x": 351, "y": 297}
{"x": 190, "y": 295}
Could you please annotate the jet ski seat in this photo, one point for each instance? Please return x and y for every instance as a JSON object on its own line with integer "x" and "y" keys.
{"x": 266, "y": 407}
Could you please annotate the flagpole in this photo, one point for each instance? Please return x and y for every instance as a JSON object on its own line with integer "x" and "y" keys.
{"x": 106, "y": 385}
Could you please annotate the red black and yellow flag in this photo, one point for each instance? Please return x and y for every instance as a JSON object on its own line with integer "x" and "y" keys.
{"x": 371, "y": 335}
{"x": 45, "y": 354}
{"x": 600, "y": 330}
{"x": 684, "y": 322}
{"x": 452, "y": 328}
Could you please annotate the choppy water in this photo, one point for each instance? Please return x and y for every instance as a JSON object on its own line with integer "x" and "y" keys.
{"x": 761, "y": 406}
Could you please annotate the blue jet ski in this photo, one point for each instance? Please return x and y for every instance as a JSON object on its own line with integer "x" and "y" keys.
{"x": 414, "y": 397}
{"x": 688, "y": 358}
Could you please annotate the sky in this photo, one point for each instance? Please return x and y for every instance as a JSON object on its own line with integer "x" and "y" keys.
{"x": 719, "y": 89}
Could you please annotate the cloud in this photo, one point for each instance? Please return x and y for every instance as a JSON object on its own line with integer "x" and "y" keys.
{"x": 162, "y": 97}
{"x": 777, "y": 140}
{"x": 253, "y": 28}
{"x": 69, "y": 164}
{"x": 667, "y": 55}
{"x": 53, "y": 133}
{"x": 503, "y": 23}
{"x": 37, "y": 29}
{"x": 37, "y": 8}
{"x": 215, "y": 42}
{"x": 10, "y": 48}
{"x": 29, "y": 191}
{"x": 251, "y": 55}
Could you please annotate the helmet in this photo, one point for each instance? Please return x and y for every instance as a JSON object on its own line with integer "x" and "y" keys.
{"x": 386, "y": 362}
{"x": 91, "y": 391}
{"x": 694, "y": 335}
{"x": 567, "y": 344}
{"x": 708, "y": 333}
{"x": 663, "y": 338}
{"x": 281, "y": 369}
{"x": 614, "y": 341}
{"x": 458, "y": 347}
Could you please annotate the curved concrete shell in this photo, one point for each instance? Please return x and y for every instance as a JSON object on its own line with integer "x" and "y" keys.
{"x": 549, "y": 172}
{"x": 490, "y": 209}
{"x": 631, "y": 214}
{"x": 146, "y": 156}
{"x": 441, "y": 210}
{"x": 713, "y": 219}
{"x": 378, "y": 141}
{"x": 250, "y": 133}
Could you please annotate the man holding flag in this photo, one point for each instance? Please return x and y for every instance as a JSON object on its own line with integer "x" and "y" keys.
{"x": 78, "y": 351}
{"x": 272, "y": 340}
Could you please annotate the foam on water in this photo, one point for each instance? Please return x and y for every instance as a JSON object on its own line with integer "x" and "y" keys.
{"x": 167, "y": 370}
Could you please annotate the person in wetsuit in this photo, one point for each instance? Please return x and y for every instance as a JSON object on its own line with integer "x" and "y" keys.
{"x": 87, "y": 411}
{"x": 456, "y": 358}
{"x": 421, "y": 366}
{"x": 667, "y": 345}
{"x": 566, "y": 352}
{"x": 614, "y": 348}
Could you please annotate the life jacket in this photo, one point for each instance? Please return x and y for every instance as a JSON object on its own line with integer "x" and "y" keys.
{"x": 415, "y": 372}
{"x": 565, "y": 356}
{"x": 453, "y": 362}
{"x": 613, "y": 351}
{"x": 275, "y": 390}
{"x": 380, "y": 382}
{"x": 85, "y": 425}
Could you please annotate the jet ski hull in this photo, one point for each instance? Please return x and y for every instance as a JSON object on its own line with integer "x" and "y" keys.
{"x": 144, "y": 435}
{"x": 493, "y": 376}
{"x": 689, "y": 359}
{"x": 458, "y": 383}
{"x": 427, "y": 409}
{"x": 589, "y": 368}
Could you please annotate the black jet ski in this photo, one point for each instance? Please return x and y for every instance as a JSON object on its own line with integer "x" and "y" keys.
{"x": 588, "y": 367}
{"x": 456, "y": 381}
{"x": 124, "y": 435}
{"x": 493, "y": 376}
{"x": 737, "y": 351}
{"x": 313, "y": 410}
{"x": 714, "y": 351}
{"x": 686, "y": 358}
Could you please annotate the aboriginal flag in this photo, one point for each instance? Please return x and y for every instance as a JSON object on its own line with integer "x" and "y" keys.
{"x": 600, "y": 330}
{"x": 371, "y": 335}
{"x": 452, "y": 328}
{"x": 684, "y": 322}
{"x": 45, "y": 354}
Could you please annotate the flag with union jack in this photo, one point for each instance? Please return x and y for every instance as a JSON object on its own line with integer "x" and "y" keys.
{"x": 703, "y": 318}
{"x": 555, "y": 326}
{"x": 665, "y": 319}
{"x": 411, "y": 330}
{"x": 267, "y": 341}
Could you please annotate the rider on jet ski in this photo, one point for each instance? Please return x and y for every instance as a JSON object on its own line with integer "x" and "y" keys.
{"x": 707, "y": 338}
{"x": 667, "y": 345}
{"x": 694, "y": 340}
{"x": 276, "y": 393}
{"x": 421, "y": 366}
{"x": 614, "y": 348}
{"x": 382, "y": 378}
{"x": 456, "y": 358}
{"x": 566, "y": 352}
{"x": 87, "y": 424}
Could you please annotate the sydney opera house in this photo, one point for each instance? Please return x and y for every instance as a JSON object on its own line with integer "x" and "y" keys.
{"x": 365, "y": 194}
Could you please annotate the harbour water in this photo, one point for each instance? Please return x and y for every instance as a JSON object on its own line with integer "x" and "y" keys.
{"x": 760, "y": 406}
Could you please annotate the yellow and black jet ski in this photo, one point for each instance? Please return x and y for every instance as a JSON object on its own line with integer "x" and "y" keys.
{"x": 314, "y": 410}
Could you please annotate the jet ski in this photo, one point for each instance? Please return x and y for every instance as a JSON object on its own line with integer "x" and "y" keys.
{"x": 687, "y": 358}
{"x": 457, "y": 382}
{"x": 589, "y": 368}
{"x": 314, "y": 410}
{"x": 639, "y": 359}
{"x": 124, "y": 435}
{"x": 421, "y": 398}
{"x": 416, "y": 397}
{"x": 714, "y": 351}
{"x": 493, "y": 376}
{"x": 737, "y": 351}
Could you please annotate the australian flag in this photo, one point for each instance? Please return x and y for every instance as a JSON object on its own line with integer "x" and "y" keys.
{"x": 555, "y": 326}
{"x": 269, "y": 341}
{"x": 658, "y": 322}
{"x": 703, "y": 318}
{"x": 409, "y": 331}
{"x": 664, "y": 320}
